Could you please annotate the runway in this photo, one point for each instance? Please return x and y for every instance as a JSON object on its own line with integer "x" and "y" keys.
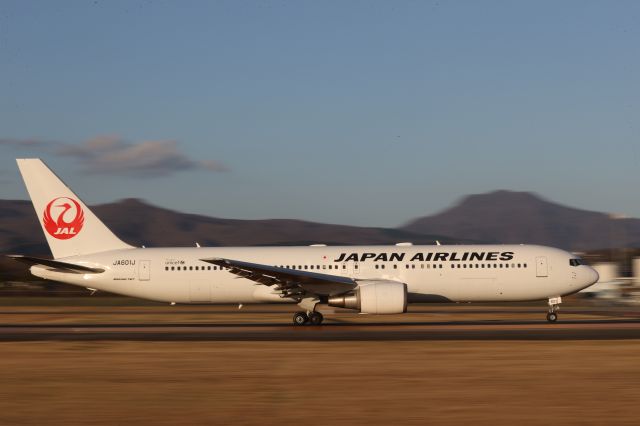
{"x": 270, "y": 323}
{"x": 501, "y": 330}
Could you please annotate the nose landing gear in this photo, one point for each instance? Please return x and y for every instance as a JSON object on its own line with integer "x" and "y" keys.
{"x": 554, "y": 305}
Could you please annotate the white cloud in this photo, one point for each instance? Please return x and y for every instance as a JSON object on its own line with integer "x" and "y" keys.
{"x": 26, "y": 143}
{"x": 110, "y": 154}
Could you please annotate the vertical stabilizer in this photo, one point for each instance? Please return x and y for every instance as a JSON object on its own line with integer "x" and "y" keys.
{"x": 70, "y": 227}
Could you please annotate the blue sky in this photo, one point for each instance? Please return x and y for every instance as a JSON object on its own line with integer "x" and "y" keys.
{"x": 356, "y": 112}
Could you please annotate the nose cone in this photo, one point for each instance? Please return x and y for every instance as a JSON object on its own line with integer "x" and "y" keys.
{"x": 591, "y": 276}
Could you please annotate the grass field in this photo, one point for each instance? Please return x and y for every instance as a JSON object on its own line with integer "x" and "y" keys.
{"x": 448, "y": 383}
{"x": 566, "y": 382}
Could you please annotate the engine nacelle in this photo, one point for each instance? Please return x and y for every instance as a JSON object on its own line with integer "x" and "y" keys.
{"x": 374, "y": 297}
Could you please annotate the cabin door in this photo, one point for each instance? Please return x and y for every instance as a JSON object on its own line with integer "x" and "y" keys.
{"x": 542, "y": 269}
{"x": 144, "y": 270}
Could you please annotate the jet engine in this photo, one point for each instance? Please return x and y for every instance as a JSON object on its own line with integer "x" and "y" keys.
{"x": 374, "y": 297}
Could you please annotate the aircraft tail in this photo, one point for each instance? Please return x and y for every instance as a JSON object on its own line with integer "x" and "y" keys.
{"x": 70, "y": 227}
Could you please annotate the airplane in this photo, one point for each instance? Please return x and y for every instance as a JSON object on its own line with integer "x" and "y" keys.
{"x": 365, "y": 279}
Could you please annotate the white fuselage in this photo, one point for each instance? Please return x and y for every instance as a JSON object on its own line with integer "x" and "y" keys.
{"x": 457, "y": 273}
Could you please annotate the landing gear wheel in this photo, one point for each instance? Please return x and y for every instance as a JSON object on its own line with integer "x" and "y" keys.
{"x": 315, "y": 318}
{"x": 552, "y": 317}
{"x": 300, "y": 318}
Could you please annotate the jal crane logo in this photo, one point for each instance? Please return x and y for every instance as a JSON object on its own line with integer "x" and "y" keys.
{"x": 57, "y": 217}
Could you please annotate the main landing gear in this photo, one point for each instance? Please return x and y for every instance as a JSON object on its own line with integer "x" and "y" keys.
{"x": 313, "y": 318}
{"x": 554, "y": 305}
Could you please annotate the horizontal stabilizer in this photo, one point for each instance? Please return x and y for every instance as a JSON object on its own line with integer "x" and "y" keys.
{"x": 55, "y": 264}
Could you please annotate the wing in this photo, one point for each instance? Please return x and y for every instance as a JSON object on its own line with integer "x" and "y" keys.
{"x": 291, "y": 282}
{"x": 55, "y": 264}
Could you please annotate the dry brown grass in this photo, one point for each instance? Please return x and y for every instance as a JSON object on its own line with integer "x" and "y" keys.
{"x": 432, "y": 382}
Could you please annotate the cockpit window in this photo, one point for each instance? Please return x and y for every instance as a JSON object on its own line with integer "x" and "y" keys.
{"x": 577, "y": 262}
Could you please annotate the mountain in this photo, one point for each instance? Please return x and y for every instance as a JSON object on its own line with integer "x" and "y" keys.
{"x": 139, "y": 223}
{"x": 498, "y": 217}
{"x": 522, "y": 217}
